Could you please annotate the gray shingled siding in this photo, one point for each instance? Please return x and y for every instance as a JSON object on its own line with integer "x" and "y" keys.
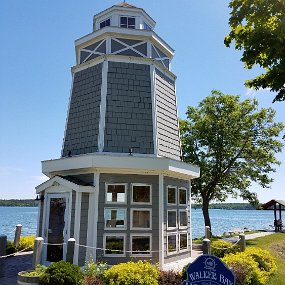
{"x": 83, "y": 119}
{"x": 169, "y": 181}
{"x": 83, "y": 228}
{"x": 120, "y": 178}
{"x": 72, "y": 218}
{"x": 167, "y": 121}
{"x": 128, "y": 121}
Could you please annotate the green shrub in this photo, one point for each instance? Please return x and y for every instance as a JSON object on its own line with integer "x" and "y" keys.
{"x": 39, "y": 271}
{"x": 169, "y": 278}
{"x": 220, "y": 248}
{"x": 26, "y": 242}
{"x": 10, "y": 248}
{"x": 94, "y": 269}
{"x": 93, "y": 272}
{"x": 61, "y": 273}
{"x": 266, "y": 262}
{"x": 184, "y": 272}
{"x": 245, "y": 268}
{"x": 131, "y": 273}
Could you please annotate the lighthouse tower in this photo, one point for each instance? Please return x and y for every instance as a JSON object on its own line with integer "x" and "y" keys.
{"x": 119, "y": 188}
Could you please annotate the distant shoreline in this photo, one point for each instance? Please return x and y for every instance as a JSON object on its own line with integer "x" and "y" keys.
{"x": 224, "y": 206}
{"x": 18, "y": 203}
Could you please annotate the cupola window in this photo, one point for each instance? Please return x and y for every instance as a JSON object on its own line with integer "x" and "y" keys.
{"x": 128, "y": 22}
{"x": 147, "y": 27}
{"x": 105, "y": 23}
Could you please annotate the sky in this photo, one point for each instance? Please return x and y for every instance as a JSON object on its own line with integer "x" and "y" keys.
{"x": 37, "y": 53}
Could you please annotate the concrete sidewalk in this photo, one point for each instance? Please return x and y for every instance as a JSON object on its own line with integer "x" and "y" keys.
{"x": 10, "y": 266}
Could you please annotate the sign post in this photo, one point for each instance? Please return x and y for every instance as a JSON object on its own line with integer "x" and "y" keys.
{"x": 209, "y": 270}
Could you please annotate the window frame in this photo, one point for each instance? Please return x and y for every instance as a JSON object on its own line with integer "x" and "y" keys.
{"x": 187, "y": 239}
{"x": 168, "y": 227}
{"x": 116, "y": 203}
{"x": 141, "y": 235}
{"x": 105, "y": 23}
{"x": 127, "y": 17}
{"x": 176, "y": 244}
{"x": 114, "y": 228}
{"x": 183, "y": 189}
{"x": 183, "y": 227}
{"x": 132, "y": 219}
{"x": 168, "y": 187}
{"x": 132, "y": 194}
{"x": 114, "y": 235}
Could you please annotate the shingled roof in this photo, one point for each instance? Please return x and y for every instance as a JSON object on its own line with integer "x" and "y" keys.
{"x": 124, "y": 4}
{"x": 269, "y": 205}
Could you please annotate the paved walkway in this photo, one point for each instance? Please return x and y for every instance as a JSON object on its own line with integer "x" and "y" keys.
{"x": 10, "y": 266}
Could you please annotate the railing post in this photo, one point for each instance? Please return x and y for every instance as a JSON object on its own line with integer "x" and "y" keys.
{"x": 70, "y": 250}
{"x": 242, "y": 243}
{"x": 18, "y": 231}
{"x": 207, "y": 232}
{"x": 3, "y": 244}
{"x": 38, "y": 249}
{"x": 206, "y": 246}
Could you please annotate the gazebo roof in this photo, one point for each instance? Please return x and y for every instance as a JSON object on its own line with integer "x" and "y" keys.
{"x": 271, "y": 203}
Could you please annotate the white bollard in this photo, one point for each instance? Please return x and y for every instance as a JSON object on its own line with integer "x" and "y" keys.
{"x": 206, "y": 246}
{"x": 70, "y": 250}
{"x": 207, "y": 232}
{"x": 38, "y": 249}
{"x": 242, "y": 243}
{"x": 18, "y": 231}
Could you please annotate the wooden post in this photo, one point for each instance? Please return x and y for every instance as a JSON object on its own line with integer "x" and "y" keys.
{"x": 70, "y": 250}
{"x": 206, "y": 246}
{"x": 3, "y": 244}
{"x": 18, "y": 231}
{"x": 207, "y": 232}
{"x": 38, "y": 249}
{"x": 242, "y": 243}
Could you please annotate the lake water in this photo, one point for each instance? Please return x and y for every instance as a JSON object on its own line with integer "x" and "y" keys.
{"x": 222, "y": 220}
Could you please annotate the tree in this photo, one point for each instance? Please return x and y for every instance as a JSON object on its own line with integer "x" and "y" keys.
{"x": 233, "y": 143}
{"x": 258, "y": 28}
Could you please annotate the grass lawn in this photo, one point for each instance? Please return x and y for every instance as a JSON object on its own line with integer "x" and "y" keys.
{"x": 274, "y": 243}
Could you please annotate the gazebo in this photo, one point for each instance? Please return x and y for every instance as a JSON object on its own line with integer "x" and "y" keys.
{"x": 273, "y": 205}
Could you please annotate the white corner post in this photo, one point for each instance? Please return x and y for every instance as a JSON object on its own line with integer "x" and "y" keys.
{"x": 161, "y": 221}
{"x": 103, "y": 106}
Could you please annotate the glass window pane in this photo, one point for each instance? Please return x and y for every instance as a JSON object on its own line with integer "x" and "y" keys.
{"x": 116, "y": 194}
{"x": 141, "y": 194}
{"x": 183, "y": 241}
{"x": 141, "y": 219}
{"x": 171, "y": 243}
{"x": 114, "y": 245}
{"x": 108, "y": 22}
{"x": 183, "y": 219}
{"x": 140, "y": 245}
{"x": 115, "y": 218}
{"x": 171, "y": 219}
{"x": 171, "y": 195}
{"x": 123, "y": 22}
{"x": 182, "y": 196}
{"x": 102, "y": 25}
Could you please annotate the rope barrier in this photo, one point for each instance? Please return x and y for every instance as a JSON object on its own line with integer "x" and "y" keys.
{"x": 225, "y": 248}
{"x": 15, "y": 253}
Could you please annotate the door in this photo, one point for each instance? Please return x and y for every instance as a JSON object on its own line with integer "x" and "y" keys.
{"x": 55, "y": 227}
